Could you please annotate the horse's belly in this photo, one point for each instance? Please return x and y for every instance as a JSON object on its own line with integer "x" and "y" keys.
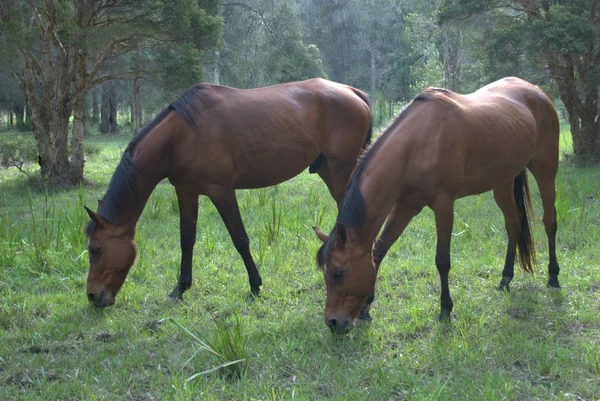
{"x": 487, "y": 179}
{"x": 272, "y": 169}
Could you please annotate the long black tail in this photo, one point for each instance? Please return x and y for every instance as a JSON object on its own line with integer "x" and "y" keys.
{"x": 525, "y": 241}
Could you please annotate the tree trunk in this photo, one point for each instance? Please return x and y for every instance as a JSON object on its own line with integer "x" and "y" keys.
{"x": 114, "y": 126}
{"x": 27, "y": 116}
{"x": 95, "y": 108}
{"x": 105, "y": 109}
{"x": 216, "y": 71}
{"x": 373, "y": 82}
{"x": 11, "y": 122}
{"x": 77, "y": 156}
{"x": 583, "y": 116}
{"x": 40, "y": 117}
{"x": 62, "y": 114}
{"x": 452, "y": 58}
{"x": 137, "y": 104}
{"x": 108, "y": 110}
{"x": 19, "y": 111}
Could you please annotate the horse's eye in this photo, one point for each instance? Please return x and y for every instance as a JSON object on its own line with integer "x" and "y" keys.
{"x": 338, "y": 274}
{"x": 95, "y": 251}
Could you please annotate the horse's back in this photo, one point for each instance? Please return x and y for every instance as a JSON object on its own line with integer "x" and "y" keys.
{"x": 264, "y": 136}
{"x": 468, "y": 144}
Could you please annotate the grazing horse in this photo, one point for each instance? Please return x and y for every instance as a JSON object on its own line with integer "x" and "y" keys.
{"x": 442, "y": 147}
{"x": 212, "y": 141}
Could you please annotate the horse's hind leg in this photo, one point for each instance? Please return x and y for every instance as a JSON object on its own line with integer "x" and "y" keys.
{"x": 506, "y": 202}
{"x": 545, "y": 175}
{"x": 226, "y": 203}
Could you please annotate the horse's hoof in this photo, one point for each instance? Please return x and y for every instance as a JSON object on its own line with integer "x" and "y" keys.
{"x": 504, "y": 284}
{"x": 444, "y": 316}
{"x": 176, "y": 295}
{"x": 553, "y": 283}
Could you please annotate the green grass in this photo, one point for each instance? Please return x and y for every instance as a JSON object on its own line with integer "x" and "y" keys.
{"x": 532, "y": 343}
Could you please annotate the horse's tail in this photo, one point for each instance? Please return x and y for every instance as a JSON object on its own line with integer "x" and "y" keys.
{"x": 525, "y": 241}
{"x": 365, "y": 98}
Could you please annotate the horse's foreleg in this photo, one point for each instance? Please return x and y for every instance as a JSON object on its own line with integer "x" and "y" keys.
{"x": 396, "y": 222}
{"x": 226, "y": 203}
{"x": 506, "y": 202}
{"x": 444, "y": 218}
{"x": 188, "y": 216}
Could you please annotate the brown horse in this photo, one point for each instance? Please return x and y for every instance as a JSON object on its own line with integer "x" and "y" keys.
{"x": 442, "y": 147}
{"x": 212, "y": 141}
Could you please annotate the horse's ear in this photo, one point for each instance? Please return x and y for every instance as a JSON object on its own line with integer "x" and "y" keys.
{"x": 341, "y": 236}
{"x": 99, "y": 203}
{"x": 320, "y": 234}
{"x": 95, "y": 216}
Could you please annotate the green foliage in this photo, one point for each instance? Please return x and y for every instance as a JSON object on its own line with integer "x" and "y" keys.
{"x": 192, "y": 32}
{"x": 428, "y": 72}
{"x": 567, "y": 32}
{"x": 263, "y": 45}
{"x": 17, "y": 151}
{"x": 181, "y": 67}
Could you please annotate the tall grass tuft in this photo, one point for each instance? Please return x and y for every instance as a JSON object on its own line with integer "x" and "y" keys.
{"x": 9, "y": 239}
{"x": 39, "y": 237}
{"x": 271, "y": 227}
{"x": 228, "y": 345}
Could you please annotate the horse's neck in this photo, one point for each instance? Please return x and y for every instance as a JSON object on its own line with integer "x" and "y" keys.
{"x": 151, "y": 168}
{"x": 378, "y": 204}
{"x": 149, "y": 160}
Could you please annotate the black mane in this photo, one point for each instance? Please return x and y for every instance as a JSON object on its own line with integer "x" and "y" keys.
{"x": 353, "y": 209}
{"x": 122, "y": 188}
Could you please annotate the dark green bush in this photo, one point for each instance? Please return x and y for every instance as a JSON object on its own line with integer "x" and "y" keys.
{"x": 17, "y": 151}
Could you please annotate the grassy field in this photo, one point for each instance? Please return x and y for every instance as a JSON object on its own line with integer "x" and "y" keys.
{"x": 532, "y": 343}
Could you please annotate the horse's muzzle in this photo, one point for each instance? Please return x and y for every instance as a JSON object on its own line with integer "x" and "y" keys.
{"x": 101, "y": 301}
{"x": 339, "y": 326}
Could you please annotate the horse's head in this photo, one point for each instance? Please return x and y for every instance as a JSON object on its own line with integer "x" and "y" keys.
{"x": 349, "y": 277}
{"x": 112, "y": 252}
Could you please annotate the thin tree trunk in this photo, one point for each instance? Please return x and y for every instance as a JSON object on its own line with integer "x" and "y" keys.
{"x": 95, "y": 107}
{"x": 27, "y": 116}
{"x": 216, "y": 71}
{"x": 77, "y": 156}
{"x": 19, "y": 111}
{"x": 114, "y": 126}
{"x": 137, "y": 104}
{"x": 63, "y": 112}
{"x": 131, "y": 112}
{"x": 373, "y": 82}
{"x": 105, "y": 108}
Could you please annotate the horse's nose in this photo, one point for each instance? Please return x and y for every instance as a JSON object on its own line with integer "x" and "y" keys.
{"x": 100, "y": 300}
{"x": 338, "y": 326}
